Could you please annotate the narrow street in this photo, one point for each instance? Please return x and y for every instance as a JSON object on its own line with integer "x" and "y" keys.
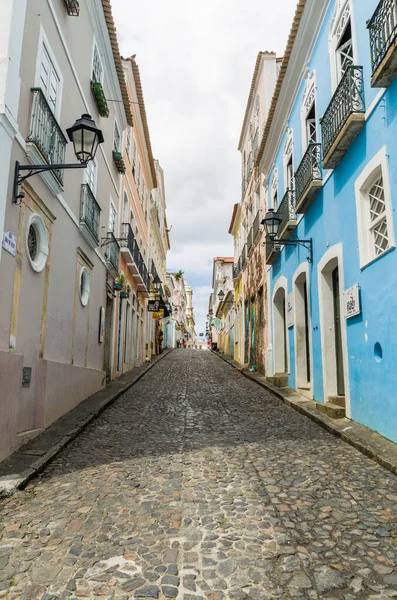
{"x": 197, "y": 483}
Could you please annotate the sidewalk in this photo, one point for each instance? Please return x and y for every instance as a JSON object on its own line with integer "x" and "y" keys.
{"x": 29, "y": 460}
{"x": 365, "y": 440}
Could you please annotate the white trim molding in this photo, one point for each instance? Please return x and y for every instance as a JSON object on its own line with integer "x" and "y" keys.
{"x": 280, "y": 352}
{"x": 302, "y": 272}
{"x": 332, "y": 258}
{"x": 376, "y": 167}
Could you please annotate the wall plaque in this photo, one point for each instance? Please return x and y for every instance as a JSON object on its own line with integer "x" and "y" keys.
{"x": 351, "y": 301}
{"x": 26, "y": 376}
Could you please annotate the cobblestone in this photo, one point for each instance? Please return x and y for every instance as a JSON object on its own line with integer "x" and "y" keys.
{"x": 199, "y": 484}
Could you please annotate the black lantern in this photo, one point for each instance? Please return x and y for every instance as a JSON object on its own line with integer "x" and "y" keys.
{"x": 221, "y": 295}
{"x": 272, "y": 223}
{"x": 157, "y": 283}
{"x": 86, "y": 138}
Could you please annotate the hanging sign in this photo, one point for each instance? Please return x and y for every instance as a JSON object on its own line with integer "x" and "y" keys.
{"x": 10, "y": 242}
{"x": 351, "y": 301}
{"x": 290, "y": 310}
{"x": 153, "y": 305}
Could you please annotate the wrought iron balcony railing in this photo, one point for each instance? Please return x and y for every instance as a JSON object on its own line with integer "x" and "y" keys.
{"x": 272, "y": 251}
{"x": 286, "y": 211}
{"x": 256, "y": 225}
{"x": 90, "y": 211}
{"x": 128, "y": 238}
{"x": 382, "y": 35}
{"x": 112, "y": 251}
{"x": 347, "y": 101}
{"x": 46, "y": 134}
{"x": 309, "y": 171}
{"x": 236, "y": 270}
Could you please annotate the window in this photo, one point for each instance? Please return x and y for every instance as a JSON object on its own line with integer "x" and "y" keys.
{"x": 128, "y": 142}
{"x": 143, "y": 192}
{"x": 125, "y": 208}
{"x": 37, "y": 242}
{"x": 374, "y": 215}
{"x": 378, "y": 220}
{"x": 311, "y": 128}
{"x": 345, "y": 51}
{"x": 257, "y": 113}
{"x": 275, "y": 190}
{"x": 84, "y": 286}
{"x": 288, "y": 162}
{"x": 116, "y": 138}
{"x": 90, "y": 175}
{"x": 112, "y": 218}
{"x": 49, "y": 79}
{"x": 132, "y": 220}
{"x": 97, "y": 68}
{"x": 133, "y": 157}
{"x": 308, "y": 113}
{"x": 341, "y": 41}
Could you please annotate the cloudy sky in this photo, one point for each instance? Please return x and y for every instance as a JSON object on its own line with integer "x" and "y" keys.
{"x": 196, "y": 61}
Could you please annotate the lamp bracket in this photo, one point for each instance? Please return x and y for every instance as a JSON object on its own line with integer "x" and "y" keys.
{"x": 106, "y": 241}
{"x": 295, "y": 241}
{"x": 18, "y": 196}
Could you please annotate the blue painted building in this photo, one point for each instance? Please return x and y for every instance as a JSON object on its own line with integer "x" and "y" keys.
{"x": 329, "y": 158}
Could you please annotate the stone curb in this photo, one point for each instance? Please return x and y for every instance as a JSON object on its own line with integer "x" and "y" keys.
{"x": 18, "y": 481}
{"x": 366, "y": 441}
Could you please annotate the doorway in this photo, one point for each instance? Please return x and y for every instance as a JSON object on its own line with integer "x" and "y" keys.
{"x": 280, "y": 332}
{"x": 108, "y": 338}
{"x": 333, "y": 330}
{"x": 302, "y": 333}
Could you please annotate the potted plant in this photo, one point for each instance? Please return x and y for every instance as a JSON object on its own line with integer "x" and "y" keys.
{"x": 119, "y": 282}
{"x": 125, "y": 292}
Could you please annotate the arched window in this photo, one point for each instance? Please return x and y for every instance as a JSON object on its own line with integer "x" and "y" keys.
{"x": 341, "y": 41}
{"x": 274, "y": 191}
{"x": 288, "y": 162}
{"x": 308, "y": 113}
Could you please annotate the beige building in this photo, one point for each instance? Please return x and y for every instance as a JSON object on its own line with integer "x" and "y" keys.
{"x": 250, "y": 254}
{"x": 57, "y": 261}
{"x": 129, "y": 304}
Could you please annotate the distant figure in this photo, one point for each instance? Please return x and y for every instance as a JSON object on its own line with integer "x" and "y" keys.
{"x": 178, "y": 343}
{"x": 184, "y": 344}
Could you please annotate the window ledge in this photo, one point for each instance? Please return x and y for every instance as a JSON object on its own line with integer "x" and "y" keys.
{"x": 373, "y": 260}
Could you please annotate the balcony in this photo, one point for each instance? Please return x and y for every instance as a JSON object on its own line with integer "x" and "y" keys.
{"x": 287, "y": 212}
{"x": 118, "y": 159}
{"x": 256, "y": 226}
{"x": 344, "y": 117}
{"x": 308, "y": 178}
{"x": 244, "y": 256}
{"x": 100, "y": 98}
{"x": 272, "y": 252}
{"x": 112, "y": 253}
{"x": 250, "y": 241}
{"x": 72, "y": 7}
{"x": 90, "y": 214}
{"x": 383, "y": 41}
{"x": 46, "y": 142}
{"x": 134, "y": 259}
{"x": 237, "y": 269}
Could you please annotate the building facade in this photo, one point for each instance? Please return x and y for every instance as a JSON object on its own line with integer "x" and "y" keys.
{"x": 54, "y": 267}
{"x": 220, "y": 328}
{"x": 328, "y": 151}
{"x": 250, "y": 255}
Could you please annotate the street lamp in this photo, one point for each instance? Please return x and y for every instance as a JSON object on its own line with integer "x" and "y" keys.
{"x": 272, "y": 223}
{"x": 157, "y": 283}
{"x": 86, "y": 138}
{"x": 221, "y": 295}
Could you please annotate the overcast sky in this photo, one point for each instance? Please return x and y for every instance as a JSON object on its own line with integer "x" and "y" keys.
{"x": 196, "y": 61}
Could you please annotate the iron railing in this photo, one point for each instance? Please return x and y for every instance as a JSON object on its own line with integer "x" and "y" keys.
{"x": 256, "y": 224}
{"x": 90, "y": 211}
{"x": 348, "y": 99}
{"x": 286, "y": 210}
{"x": 382, "y": 31}
{"x": 310, "y": 169}
{"x": 237, "y": 268}
{"x": 250, "y": 240}
{"x": 128, "y": 238}
{"x": 46, "y": 134}
{"x": 113, "y": 251}
{"x": 244, "y": 255}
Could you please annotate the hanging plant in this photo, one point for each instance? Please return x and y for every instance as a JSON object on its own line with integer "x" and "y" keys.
{"x": 179, "y": 274}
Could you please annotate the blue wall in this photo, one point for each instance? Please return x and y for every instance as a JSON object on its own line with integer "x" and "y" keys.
{"x": 332, "y": 219}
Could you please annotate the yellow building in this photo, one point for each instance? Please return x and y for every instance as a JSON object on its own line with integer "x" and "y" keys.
{"x": 235, "y": 231}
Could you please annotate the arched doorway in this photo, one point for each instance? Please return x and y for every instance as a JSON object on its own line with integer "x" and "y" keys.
{"x": 302, "y": 330}
{"x": 333, "y": 327}
{"x": 280, "y": 332}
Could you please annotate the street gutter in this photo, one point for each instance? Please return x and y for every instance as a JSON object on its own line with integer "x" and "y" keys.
{"x": 31, "y": 459}
{"x": 366, "y": 441}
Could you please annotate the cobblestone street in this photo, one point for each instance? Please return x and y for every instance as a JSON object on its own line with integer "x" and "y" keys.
{"x": 197, "y": 483}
